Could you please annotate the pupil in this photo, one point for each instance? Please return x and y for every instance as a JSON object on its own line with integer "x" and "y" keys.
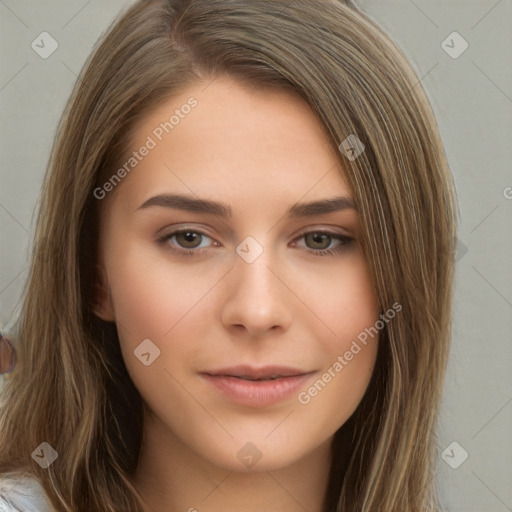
{"x": 317, "y": 238}
{"x": 190, "y": 238}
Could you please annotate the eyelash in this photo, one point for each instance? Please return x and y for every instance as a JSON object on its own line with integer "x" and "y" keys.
{"x": 346, "y": 242}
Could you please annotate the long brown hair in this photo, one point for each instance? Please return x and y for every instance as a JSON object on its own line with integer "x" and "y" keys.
{"x": 71, "y": 388}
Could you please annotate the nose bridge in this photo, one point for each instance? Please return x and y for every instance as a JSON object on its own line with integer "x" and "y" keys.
{"x": 252, "y": 270}
{"x": 256, "y": 297}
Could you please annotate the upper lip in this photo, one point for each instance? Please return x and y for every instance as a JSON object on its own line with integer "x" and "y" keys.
{"x": 251, "y": 372}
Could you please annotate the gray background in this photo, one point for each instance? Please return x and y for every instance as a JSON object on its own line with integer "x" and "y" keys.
{"x": 472, "y": 99}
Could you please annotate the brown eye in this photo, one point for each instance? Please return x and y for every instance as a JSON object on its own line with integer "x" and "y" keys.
{"x": 318, "y": 240}
{"x": 187, "y": 242}
{"x": 319, "y": 243}
{"x": 188, "y": 239}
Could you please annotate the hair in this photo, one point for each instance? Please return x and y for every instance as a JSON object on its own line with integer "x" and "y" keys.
{"x": 71, "y": 388}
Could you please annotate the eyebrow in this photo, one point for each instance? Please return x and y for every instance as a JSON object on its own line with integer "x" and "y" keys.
{"x": 192, "y": 204}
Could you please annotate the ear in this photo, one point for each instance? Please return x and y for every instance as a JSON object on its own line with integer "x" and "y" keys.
{"x": 102, "y": 305}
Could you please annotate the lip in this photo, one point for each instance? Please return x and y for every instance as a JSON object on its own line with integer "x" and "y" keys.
{"x": 262, "y": 372}
{"x": 257, "y": 393}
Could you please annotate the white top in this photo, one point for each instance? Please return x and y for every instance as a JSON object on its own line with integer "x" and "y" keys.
{"x": 22, "y": 493}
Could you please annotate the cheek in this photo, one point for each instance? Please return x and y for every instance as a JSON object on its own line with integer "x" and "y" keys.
{"x": 155, "y": 300}
{"x": 338, "y": 389}
{"x": 345, "y": 300}
{"x": 150, "y": 295}
{"x": 350, "y": 309}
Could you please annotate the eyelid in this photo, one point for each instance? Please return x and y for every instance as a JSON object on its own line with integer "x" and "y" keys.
{"x": 346, "y": 240}
{"x": 179, "y": 229}
{"x": 165, "y": 237}
{"x": 328, "y": 230}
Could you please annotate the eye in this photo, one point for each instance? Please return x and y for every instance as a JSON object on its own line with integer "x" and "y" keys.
{"x": 320, "y": 242}
{"x": 188, "y": 241}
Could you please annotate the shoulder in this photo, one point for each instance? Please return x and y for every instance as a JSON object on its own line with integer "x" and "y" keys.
{"x": 20, "y": 492}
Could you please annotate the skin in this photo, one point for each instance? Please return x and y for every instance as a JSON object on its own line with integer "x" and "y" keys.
{"x": 260, "y": 152}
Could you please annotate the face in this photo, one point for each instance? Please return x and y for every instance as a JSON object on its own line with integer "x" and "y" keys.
{"x": 238, "y": 320}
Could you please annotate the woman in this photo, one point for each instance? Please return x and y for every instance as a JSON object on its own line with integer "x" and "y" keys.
{"x": 256, "y": 370}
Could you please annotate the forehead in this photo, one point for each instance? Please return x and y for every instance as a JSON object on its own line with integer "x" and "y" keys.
{"x": 222, "y": 139}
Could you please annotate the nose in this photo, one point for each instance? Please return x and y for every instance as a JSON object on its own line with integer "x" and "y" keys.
{"x": 257, "y": 301}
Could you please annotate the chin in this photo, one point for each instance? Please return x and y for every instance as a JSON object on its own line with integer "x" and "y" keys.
{"x": 254, "y": 456}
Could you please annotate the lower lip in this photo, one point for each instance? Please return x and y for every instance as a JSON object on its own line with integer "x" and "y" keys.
{"x": 257, "y": 393}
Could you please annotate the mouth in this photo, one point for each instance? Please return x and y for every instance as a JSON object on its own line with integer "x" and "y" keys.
{"x": 257, "y": 387}
{"x": 258, "y": 374}
{"x": 272, "y": 377}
